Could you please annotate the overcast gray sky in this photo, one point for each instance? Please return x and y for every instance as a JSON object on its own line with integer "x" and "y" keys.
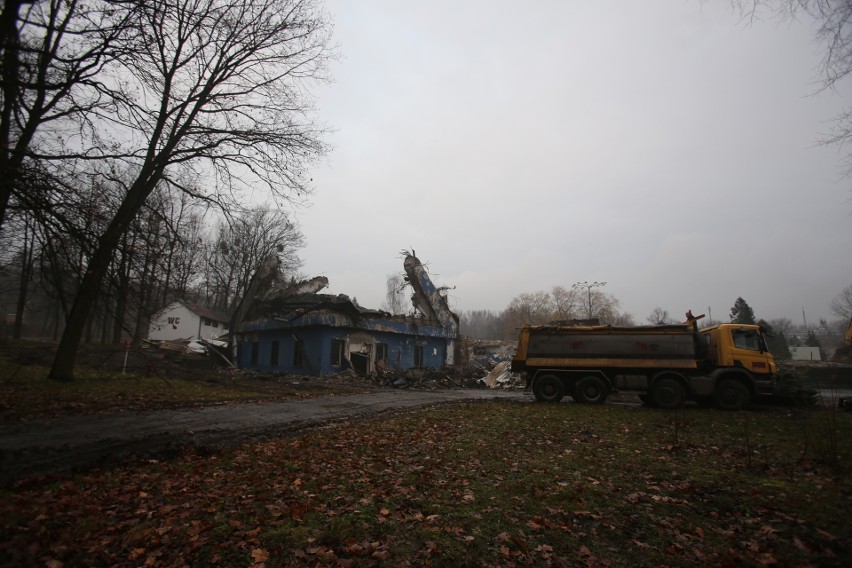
{"x": 664, "y": 147}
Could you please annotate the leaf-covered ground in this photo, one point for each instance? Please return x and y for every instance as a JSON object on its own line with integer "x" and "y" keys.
{"x": 478, "y": 484}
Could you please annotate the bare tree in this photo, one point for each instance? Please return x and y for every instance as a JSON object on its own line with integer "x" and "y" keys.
{"x": 566, "y": 303}
{"x": 834, "y": 35}
{"x": 622, "y": 319}
{"x": 394, "y": 297}
{"x": 659, "y": 316}
{"x": 782, "y": 325}
{"x": 218, "y": 84}
{"x": 480, "y": 324}
{"x": 841, "y": 305}
{"x": 54, "y": 54}
{"x": 527, "y": 308}
{"x": 604, "y": 308}
{"x": 242, "y": 246}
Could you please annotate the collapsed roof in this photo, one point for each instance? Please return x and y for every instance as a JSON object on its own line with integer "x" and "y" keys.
{"x": 300, "y": 298}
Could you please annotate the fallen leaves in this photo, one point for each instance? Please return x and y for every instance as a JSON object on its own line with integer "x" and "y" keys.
{"x": 472, "y": 484}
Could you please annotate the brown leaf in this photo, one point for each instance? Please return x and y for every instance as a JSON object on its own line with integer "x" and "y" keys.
{"x": 801, "y": 545}
{"x": 259, "y": 555}
{"x": 521, "y": 544}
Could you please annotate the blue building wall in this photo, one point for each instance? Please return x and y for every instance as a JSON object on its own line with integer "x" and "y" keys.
{"x": 318, "y": 332}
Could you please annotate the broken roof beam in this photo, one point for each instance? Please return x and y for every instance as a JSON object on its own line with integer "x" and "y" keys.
{"x": 427, "y": 297}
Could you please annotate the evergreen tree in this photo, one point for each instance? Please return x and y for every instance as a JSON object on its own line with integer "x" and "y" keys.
{"x": 741, "y": 312}
{"x": 776, "y": 342}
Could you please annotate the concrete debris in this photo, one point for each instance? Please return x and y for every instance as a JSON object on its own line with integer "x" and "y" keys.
{"x": 499, "y": 374}
{"x": 215, "y": 349}
{"x": 311, "y": 286}
{"x": 427, "y": 379}
{"x": 178, "y": 345}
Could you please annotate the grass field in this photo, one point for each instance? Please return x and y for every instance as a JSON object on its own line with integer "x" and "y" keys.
{"x": 151, "y": 380}
{"x": 475, "y": 484}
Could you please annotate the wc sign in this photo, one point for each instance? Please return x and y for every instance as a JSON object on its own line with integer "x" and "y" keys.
{"x": 174, "y": 321}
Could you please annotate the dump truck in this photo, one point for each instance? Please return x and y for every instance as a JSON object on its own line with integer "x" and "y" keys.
{"x": 727, "y": 364}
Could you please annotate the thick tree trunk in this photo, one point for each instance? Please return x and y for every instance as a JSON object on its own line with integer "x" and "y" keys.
{"x": 9, "y": 72}
{"x": 66, "y": 353}
{"x": 26, "y": 275}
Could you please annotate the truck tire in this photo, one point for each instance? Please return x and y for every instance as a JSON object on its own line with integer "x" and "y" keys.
{"x": 731, "y": 394}
{"x": 548, "y": 388}
{"x": 590, "y": 390}
{"x": 668, "y": 393}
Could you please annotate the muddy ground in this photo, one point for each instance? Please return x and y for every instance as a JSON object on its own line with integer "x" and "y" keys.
{"x": 54, "y": 436}
{"x": 53, "y": 445}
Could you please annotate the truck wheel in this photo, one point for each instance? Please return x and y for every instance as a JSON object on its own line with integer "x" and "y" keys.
{"x": 590, "y": 390}
{"x": 732, "y": 395}
{"x": 548, "y": 388}
{"x": 668, "y": 393}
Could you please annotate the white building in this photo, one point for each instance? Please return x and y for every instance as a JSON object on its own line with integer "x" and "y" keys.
{"x": 186, "y": 320}
{"x": 805, "y": 354}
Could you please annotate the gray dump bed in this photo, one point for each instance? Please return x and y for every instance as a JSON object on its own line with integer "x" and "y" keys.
{"x": 659, "y": 342}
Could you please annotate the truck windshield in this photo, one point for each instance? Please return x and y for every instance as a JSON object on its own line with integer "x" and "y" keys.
{"x": 746, "y": 339}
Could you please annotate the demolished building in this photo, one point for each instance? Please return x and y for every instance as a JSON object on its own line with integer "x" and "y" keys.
{"x": 304, "y": 332}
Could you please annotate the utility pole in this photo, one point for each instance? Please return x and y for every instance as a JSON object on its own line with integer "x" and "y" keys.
{"x": 588, "y": 286}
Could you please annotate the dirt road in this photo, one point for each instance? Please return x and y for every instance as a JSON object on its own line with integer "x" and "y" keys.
{"x": 53, "y": 445}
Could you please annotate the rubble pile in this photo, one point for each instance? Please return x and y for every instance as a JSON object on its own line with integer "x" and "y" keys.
{"x": 471, "y": 375}
{"x": 426, "y": 379}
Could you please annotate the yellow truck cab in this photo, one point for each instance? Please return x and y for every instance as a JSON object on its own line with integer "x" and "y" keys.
{"x": 736, "y": 345}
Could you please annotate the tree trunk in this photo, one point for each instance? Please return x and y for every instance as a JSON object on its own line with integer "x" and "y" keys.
{"x": 144, "y": 296}
{"x": 26, "y": 275}
{"x": 9, "y": 73}
{"x": 122, "y": 293}
{"x": 66, "y": 353}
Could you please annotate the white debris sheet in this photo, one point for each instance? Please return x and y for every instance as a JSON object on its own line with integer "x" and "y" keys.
{"x": 500, "y": 375}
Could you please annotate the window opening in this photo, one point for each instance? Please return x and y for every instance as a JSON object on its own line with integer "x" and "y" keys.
{"x": 273, "y": 356}
{"x": 298, "y": 354}
{"x": 337, "y": 352}
{"x": 254, "y": 350}
{"x": 381, "y": 352}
